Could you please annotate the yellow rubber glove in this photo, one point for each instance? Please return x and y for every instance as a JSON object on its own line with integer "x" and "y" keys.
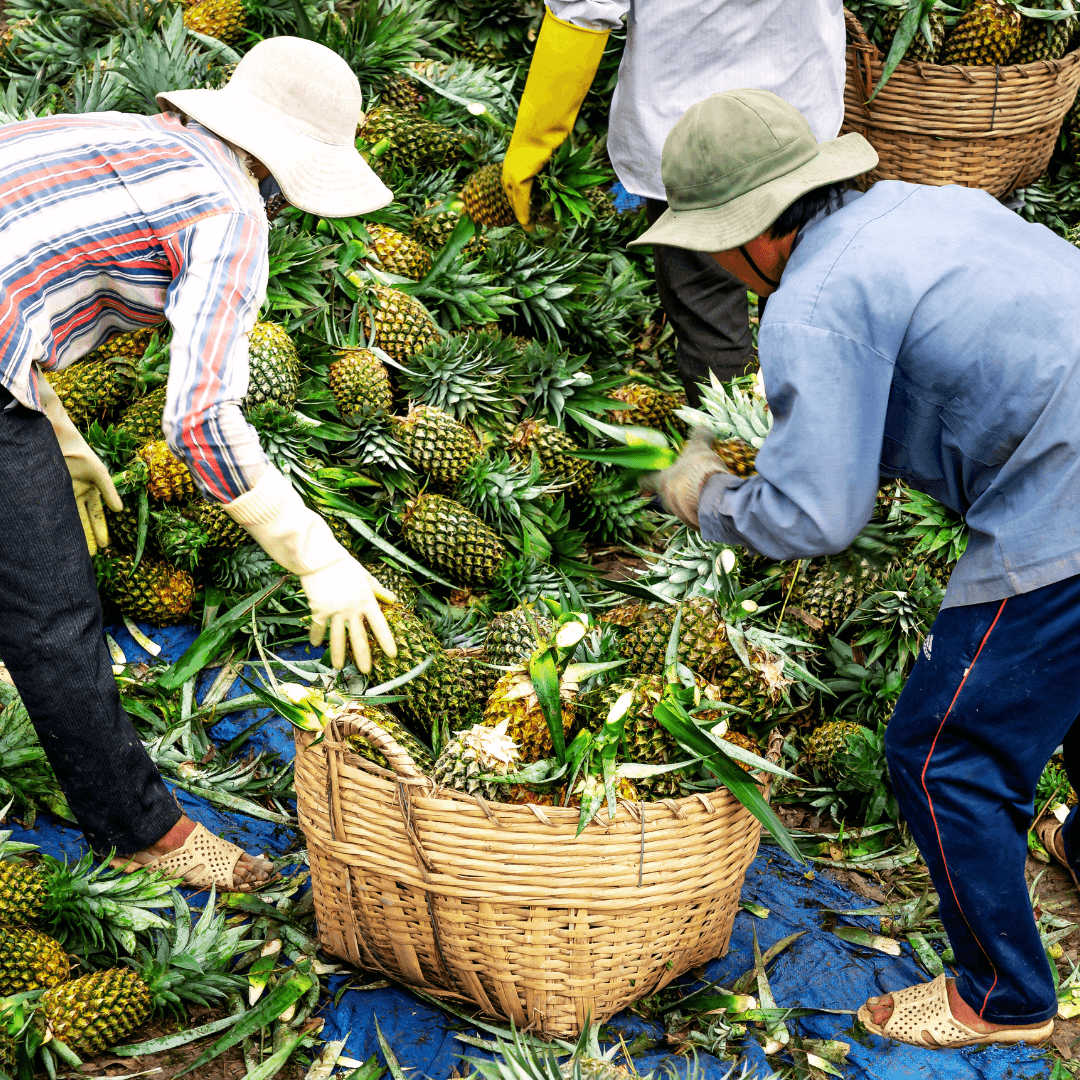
{"x": 563, "y": 67}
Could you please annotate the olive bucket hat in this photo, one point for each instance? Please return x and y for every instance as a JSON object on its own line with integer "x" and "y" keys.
{"x": 736, "y": 161}
{"x": 294, "y": 104}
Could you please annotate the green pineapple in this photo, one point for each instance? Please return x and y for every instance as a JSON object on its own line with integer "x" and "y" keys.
{"x": 827, "y": 742}
{"x": 514, "y": 702}
{"x": 273, "y": 367}
{"x": 408, "y": 742}
{"x": 402, "y": 93}
{"x": 223, "y": 531}
{"x": 920, "y": 49}
{"x": 153, "y": 591}
{"x": 739, "y": 419}
{"x": 398, "y": 253}
{"x": 360, "y": 384}
{"x": 414, "y": 143}
{"x": 474, "y": 753}
{"x": 89, "y": 390}
{"x": 553, "y": 447}
{"x": 30, "y": 960}
{"x": 143, "y": 417}
{"x": 1041, "y": 39}
{"x": 511, "y": 639}
{"x": 703, "y": 643}
{"x": 648, "y": 407}
{"x": 395, "y": 322}
{"x": 433, "y": 227}
{"x": 397, "y": 581}
{"x": 436, "y": 443}
{"x": 189, "y": 964}
{"x": 986, "y": 34}
{"x": 831, "y": 595}
{"x": 453, "y": 540}
{"x": 485, "y": 198}
{"x": 170, "y": 480}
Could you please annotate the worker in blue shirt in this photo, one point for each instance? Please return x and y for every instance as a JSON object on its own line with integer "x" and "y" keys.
{"x": 925, "y": 333}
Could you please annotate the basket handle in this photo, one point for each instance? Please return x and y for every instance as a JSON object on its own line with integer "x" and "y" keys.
{"x": 865, "y": 54}
{"x": 383, "y": 741}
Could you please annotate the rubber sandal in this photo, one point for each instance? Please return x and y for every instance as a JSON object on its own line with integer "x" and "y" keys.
{"x": 925, "y": 1008}
{"x": 203, "y": 860}
{"x": 1049, "y": 833}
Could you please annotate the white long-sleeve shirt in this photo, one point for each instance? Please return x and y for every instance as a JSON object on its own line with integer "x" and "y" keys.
{"x": 681, "y": 51}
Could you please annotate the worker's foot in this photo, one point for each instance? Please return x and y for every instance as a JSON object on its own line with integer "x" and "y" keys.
{"x": 248, "y": 871}
{"x": 881, "y": 1009}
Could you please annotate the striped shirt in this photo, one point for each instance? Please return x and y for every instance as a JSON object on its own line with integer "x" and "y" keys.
{"x": 111, "y": 222}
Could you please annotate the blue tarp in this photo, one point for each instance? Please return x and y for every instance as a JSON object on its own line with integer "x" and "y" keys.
{"x": 817, "y": 971}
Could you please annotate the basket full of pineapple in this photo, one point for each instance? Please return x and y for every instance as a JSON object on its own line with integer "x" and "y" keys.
{"x": 975, "y": 99}
{"x": 543, "y": 858}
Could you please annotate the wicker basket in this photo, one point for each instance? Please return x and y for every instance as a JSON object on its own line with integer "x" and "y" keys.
{"x": 987, "y": 127}
{"x": 499, "y": 905}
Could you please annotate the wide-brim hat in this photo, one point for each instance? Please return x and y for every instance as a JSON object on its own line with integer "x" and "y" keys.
{"x": 736, "y": 161}
{"x": 294, "y": 104}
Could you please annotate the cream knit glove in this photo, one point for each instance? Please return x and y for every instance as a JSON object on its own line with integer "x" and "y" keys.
{"x": 340, "y": 592}
{"x": 679, "y": 486}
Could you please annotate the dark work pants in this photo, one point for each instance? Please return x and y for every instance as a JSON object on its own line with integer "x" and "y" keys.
{"x": 51, "y": 640}
{"x": 708, "y": 310}
{"x": 995, "y": 690}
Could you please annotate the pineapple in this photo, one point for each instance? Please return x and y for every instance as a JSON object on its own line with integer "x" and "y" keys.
{"x": 624, "y": 616}
{"x": 553, "y": 447}
{"x": 450, "y": 538}
{"x": 757, "y": 689}
{"x": 170, "y": 479}
{"x": 737, "y": 738}
{"x": 477, "y": 678}
{"x": 143, "y": 417}
{"x": 986, "y": 34}
{"x": 485, "y": 198}
{"x": 408, "y": 742}
{"x": 919, "y": 49}
{"x": 436, "y": 443}
{"x": 477, "y": 752}
{"x": 433, "y": 227}
{"x": 514, "y": 702}
{"x": 398, "y": 253}
{"x": 360, "y": 383}
{"x": 189, "y": 964}
{"x": 414, "y": 143}
{"x": 225, "y": 20}
{"x": 832, "y": 595}
{"x": 402, "y": 93}
{"x": 648, "y": 407}
{"x": 129, "y": 346}
{"x": 703, "y": 643}
{"x": 739, "y": 420}
{"x": 89, "y": 390}
{"x": 273, "y": 367}
{"x": 223, "y": 531}
{"x": 828, "y": 741}
{"x": 29, "y": 960}
{"x": 510, "y": 637}
{"x": 1043, "y": 40}
{"x": 153, "y": 591}
{"x": 397, "y": 323}
{"x": 397, "y": 581}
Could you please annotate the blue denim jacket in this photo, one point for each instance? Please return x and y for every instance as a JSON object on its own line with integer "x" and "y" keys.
{"x": 930, "y": 334}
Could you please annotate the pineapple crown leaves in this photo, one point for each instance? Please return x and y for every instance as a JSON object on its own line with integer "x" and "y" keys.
{"x": 569, "y": 172}
{"x": 731, "y": 412}
{"x": 900, "y": 613}
{"x": 615, "y": 509}
{"x": 465, "y": 91}
{"x": 301, "y": 267}
{"x": 154, "y": 63}
{"x": 523, "y": 580}
{"x": 499, "y": 491}
{"x": 915, "y": 20}
{"x": 117, "y": 448}
{"x": 180, "y": 537}
{"x": 546, "y": 534}
{"x": 938, "y": 530}
{"x": 546, "y": 378}
{"x": 690, "y": 566}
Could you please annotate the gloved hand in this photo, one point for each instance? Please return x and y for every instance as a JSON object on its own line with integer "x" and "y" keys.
{"x": 563, "y": 67}
{"x": 340, "y": 592}
{"x": 679, "y": 486}
{"x": 89, "y": 478}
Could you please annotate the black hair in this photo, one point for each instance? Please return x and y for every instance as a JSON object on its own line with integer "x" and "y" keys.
{"x": 803, "y": 209}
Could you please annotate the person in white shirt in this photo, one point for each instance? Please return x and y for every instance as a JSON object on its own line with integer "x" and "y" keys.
{"x": 677, "y": 53}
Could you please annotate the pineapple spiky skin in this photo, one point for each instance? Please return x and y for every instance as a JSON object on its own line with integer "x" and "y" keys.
{"x": 153, "y": 591}
{"x": 485, "y": 198}
{"x": 170, "y": 480}
{"x": 919, "y": 49}
{"x": 757, "y": 689}
{"x": 225, "y": 20}
{"x": 514, "y": 700}
{"x": 97, "y": 1010}
{"x": 30, "y": 960}
{"x": 1042, "y": 40}
{"x": 831, "y": 595}
{"x": 737, "y": 455}
{"x": 986, "y": 34}
{"x": 433, "y": 229}
{"x": 23, "y": 891}
{"x": 648, "y": 407}
{"x": 416, "y": 143}
{"x": 477, "y": 679}
{"x": 737, "y": 738}
{"x": 397, "y": 581}
{"x": 360, "y": 383}
{"x": 436, "y": 443}
{"x": 273, "y": 367}
{"x": 402, "y": 93}
{"x": 473, "y": 753}
{"x": 89, "y": 390}
{"x": 223, "y": 531}
{"x": 397, "y": 323}
{"x": 398, "y": 253}
{"x": 827, "y": 741}
{"x": 624, "y": 616}
{"x": 510, "y": 639}
{"x": 553, "y": 447}
{"x": 703, "y": 643}
{"x": 408, "y": 742}
{"x": 143, "y": 417}
{"x": 129, "y": 346}
{"x": 450, "y": 538}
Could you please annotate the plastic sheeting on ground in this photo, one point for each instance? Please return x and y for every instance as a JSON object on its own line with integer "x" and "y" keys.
{"x": 818, "y": 971}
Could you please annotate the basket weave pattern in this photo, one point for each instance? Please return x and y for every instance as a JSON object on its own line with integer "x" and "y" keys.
{"x": 499, "y": 905}
{"x": 987, "y": 127}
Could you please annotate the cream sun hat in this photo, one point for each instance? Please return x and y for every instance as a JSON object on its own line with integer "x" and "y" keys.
{"x": 294, "y": 105}
{"x": 736, "y": 161}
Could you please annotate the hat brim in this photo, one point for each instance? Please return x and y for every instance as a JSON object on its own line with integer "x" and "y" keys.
{"x": 724, "y": 227}
{"x": 326, "y": 179}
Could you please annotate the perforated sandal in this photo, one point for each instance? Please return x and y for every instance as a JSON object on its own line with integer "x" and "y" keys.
{"x": 203, "y": 860}
{"x": 1049, "y": 833}
{"x": 921, "y": 1011}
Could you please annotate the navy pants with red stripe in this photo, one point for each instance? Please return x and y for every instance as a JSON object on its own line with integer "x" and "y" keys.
{"x": 995, "y": 690}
